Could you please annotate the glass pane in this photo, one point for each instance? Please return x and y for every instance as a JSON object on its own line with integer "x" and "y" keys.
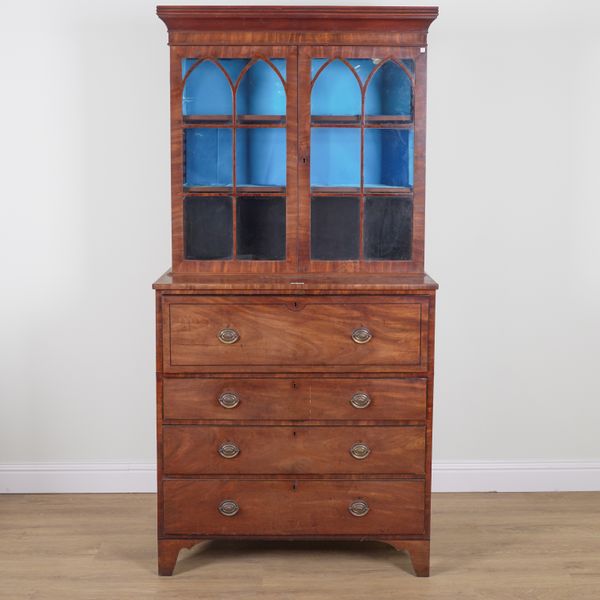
{"x": 260, "y": 156}
{"x": 389, "y": 92}
{"x": 261, "y": 91}
{"x": 363, "y": 66}
{"x": 388, "y": 158}
{"x": 260, "y": 228}
{"x": 208, "y": 157}
{"x": 208, "y": 228}
{"x": 334, "y": 230}
{"x": 234, "y": 66}
{"x": 388, "y": 228}
{"x": 335, "y": 157}
{"x": 336, "y": 90}
{"x": 205, "y": 76}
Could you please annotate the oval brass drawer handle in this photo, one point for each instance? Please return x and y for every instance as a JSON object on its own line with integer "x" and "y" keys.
{"x": 362, "y": 335}
{"x": 228, "y": 336}
{"x": 360, "y": 400}
{"x": 229, "y": 400}
{"x": 360, "y": 451}
{"x": 229, "y": 450}
{"x": 229, "y": 508}
{"x": 358, "y": 508}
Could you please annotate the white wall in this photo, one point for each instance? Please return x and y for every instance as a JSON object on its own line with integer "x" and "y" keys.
{"x": 513, "y": 214}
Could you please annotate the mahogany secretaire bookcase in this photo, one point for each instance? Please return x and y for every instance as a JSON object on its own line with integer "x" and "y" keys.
{"x": 295, "y": 329}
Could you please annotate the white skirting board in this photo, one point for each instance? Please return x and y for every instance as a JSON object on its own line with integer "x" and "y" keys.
{"x": 479, "y": 476}
{"x": 516, "y": 476}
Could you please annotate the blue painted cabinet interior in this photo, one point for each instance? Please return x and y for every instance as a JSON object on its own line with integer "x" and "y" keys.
{"x": 335, "y": 157}
{"x": 208, "y": 157}
{"x": 361, "y": 140}
{"x": 390, "y": 91}
{"x": 209, "y": 87}
{"x": 388, "y": 158}
{"x": 261, "y": 92}
{"x": 218, "y": 93}
{"x": 337, "y": 92}
{"x": 207, "y": 90}
{"x": 260, "y": 157}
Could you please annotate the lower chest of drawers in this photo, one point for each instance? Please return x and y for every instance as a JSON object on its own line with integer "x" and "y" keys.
{"x": 294, "y": 417}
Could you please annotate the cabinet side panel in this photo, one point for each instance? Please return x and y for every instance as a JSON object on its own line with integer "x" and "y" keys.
{"x": 159, "y": 413}
{"x": 429, "y": 418}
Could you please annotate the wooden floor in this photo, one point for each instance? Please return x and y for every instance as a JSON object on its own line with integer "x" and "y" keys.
{"x": 484, "y": 546}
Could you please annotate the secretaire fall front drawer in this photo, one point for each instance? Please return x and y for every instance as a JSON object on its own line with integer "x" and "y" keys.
{"x": 216, "y": 334}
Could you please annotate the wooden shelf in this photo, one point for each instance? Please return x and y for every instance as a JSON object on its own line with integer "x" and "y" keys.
{"x": 389, "y": 118}
{"x": 208, "y": 189}
{"x": 241, "y": 121}
{"x": 387, "y": 191}
{"x": 245, "y": 190}
{"x": 208, "y": 119}
{"x": 249, "y": 190}
{"x": 350, "y": 119}
{"x": 338, "y": 190}
{"x": 355, "y": 191}
{"x": 380, "y": 121}
{"x": 263, "y": 120}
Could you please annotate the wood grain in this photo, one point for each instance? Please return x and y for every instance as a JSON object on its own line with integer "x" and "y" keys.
{"x": 193, "y": 450}
{"x": 406, "y": 39}
{"x": 300, "y": 284}
{"x": 293, "y": 507}
{"x": 418, "y": 551}
{"x": 296, "y": 18}
{"x": 292, "y": 334}
{"x": 168, "y": 551}
{"x": 267, "y": 399}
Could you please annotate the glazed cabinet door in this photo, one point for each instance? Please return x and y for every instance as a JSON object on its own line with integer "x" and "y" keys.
{"x": 234, "y": 156}
{"x": 361, "y": 169}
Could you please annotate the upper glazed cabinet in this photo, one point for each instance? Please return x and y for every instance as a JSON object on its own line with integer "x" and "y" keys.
{"x": 298, "y": 158}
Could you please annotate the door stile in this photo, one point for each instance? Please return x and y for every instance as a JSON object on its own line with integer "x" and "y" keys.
{"x": 304, "y": 198}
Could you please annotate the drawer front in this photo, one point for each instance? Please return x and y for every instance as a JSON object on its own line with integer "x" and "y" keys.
{"x": 286, "y": 507}
{"x": 295, "y": 399}
{"x": 200, "y": 450}
{"x": 222, "y": 334}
